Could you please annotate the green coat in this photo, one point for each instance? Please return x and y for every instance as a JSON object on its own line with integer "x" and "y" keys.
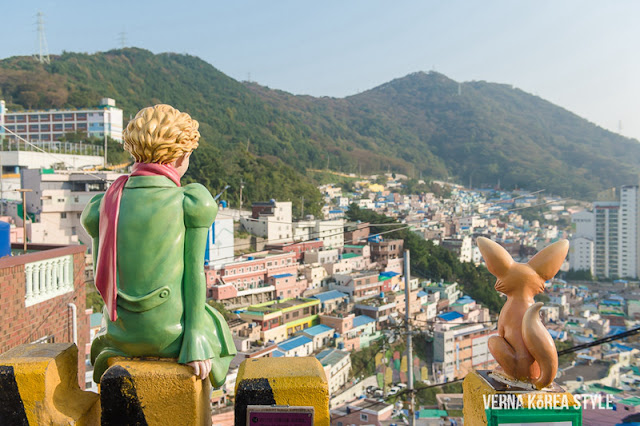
{"x": 161, "y": 304}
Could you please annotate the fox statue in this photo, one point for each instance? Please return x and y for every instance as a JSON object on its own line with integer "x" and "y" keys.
{"x": 523, "y": 348}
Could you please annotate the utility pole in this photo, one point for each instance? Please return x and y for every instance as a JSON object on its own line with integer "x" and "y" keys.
{"x": 24, "y": 216}
{"x": 241, "y": 188}
{"x": 302, "y": 208}
{"x": 407, "y": 293}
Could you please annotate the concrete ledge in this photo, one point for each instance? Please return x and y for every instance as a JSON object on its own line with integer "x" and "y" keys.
{"x": 296, "y": 382}
{"x": 536, "y": 405}
{"x": 39, "y": 385}
{"x": 153, "y": 392}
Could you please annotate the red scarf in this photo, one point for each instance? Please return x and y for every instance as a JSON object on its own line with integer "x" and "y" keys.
{"x": 106, "y": 264}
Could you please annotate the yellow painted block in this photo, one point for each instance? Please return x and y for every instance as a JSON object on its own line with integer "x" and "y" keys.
{"x": 299, "y": 381}
{"x": 47, "y": 381}
{"x": 167, "y": 392}
{"x": 474, "y": 387}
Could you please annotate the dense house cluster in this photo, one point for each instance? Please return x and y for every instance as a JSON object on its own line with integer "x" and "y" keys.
{"x": 329, "y": 288}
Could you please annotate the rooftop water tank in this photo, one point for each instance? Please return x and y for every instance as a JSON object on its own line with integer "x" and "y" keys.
{"x": 5, "y": 240}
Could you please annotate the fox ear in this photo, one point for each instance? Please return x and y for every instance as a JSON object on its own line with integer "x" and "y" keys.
{"x": 498, "y": 260}
{"x": 548, "y": 261}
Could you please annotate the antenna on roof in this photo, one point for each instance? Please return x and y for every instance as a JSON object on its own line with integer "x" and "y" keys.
{"x": 43, "y": 51}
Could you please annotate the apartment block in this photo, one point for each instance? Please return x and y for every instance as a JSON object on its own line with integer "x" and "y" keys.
{"x": 582, "y": 254}
{"x": 51, "y": 125}
{"x": 629, "y": 249}
{"x": 607, "y": 243}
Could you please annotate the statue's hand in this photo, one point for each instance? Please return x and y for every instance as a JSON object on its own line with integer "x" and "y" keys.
{"x": 201, "y": 368}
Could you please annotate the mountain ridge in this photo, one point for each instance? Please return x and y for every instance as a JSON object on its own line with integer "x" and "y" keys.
{"x": 422, "y": 124}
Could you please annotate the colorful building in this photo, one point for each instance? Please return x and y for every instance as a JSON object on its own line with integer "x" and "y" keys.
{"x": 281, "y": 319}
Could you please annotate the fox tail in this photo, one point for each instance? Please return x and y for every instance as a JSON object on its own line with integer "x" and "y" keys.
{"x": 540, "y": 345}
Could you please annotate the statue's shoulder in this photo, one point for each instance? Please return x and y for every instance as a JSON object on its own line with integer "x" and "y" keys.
{"x": 200, "y": 209}
{"x": 90, "y": 218}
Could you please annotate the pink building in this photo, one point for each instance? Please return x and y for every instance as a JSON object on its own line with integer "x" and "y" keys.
{"x": 246, "y": 281}
{"x": 287, "y": 285}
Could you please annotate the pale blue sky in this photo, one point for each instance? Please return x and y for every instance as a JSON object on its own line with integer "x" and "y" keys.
{"x": 581, "y": 55}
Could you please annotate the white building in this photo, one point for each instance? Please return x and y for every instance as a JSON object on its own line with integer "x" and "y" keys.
{"x": 337, "y": 366}
{"x": 585, "y": 224}
{"x": 322, "y": 256}
{"x": 51, "y": 125}
{"x": 616, "y": 235}
{"x": 57, "y": 201}
{"x": 220, "y": 241}
{"x": 330, "y": 232}
{"x": 270, "y": 220}
{"x": 581, "y": 254}
{"x": 582, "y": 247}
{"x": 462, "y": 247}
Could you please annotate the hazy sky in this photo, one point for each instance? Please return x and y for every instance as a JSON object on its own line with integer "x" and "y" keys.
{"x": 581, "y": 55}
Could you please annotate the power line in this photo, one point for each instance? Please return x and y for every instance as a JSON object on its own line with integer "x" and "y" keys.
{"x": 279, "y": 240}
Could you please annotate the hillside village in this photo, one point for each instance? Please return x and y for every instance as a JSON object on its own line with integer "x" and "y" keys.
{"x": 336, "y": 289}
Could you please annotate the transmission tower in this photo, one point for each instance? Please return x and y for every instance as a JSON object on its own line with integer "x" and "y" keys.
{"x": 43, "y": 50}
{"x": 122, "y": 38}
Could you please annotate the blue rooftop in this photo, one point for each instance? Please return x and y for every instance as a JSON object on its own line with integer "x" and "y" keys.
{"x": 422, "y": 294}
{"x": 361, "y": 320}
{"x": 282, "y": 275}
{"x": 616, "y": 329}
{"x": 450, "y": 316}
{"x": 293, "y": 343}
{"x": 621, "y": 348}
{"x": 277, "y": 354}
{"x": 464, "y": 300}
{"x": 318, "y": 329}
{"x": 330, "y": 295}
{"x": 389, "y": 274}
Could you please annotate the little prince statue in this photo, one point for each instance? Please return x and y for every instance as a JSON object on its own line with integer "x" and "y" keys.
{"x": 149, "y": 236}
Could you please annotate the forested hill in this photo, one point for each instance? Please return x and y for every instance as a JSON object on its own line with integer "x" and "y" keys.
{"x": 422, "y": 124}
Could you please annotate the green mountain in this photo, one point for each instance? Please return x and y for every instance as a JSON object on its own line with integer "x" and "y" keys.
{"x": 422, "y": 124}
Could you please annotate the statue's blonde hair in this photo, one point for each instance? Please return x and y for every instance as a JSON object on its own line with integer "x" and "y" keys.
{"x": 160, "y": 134}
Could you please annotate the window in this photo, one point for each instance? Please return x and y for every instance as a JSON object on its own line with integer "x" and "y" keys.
{"x": 364, "y": 417}
{"x": 63, "y": 215}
